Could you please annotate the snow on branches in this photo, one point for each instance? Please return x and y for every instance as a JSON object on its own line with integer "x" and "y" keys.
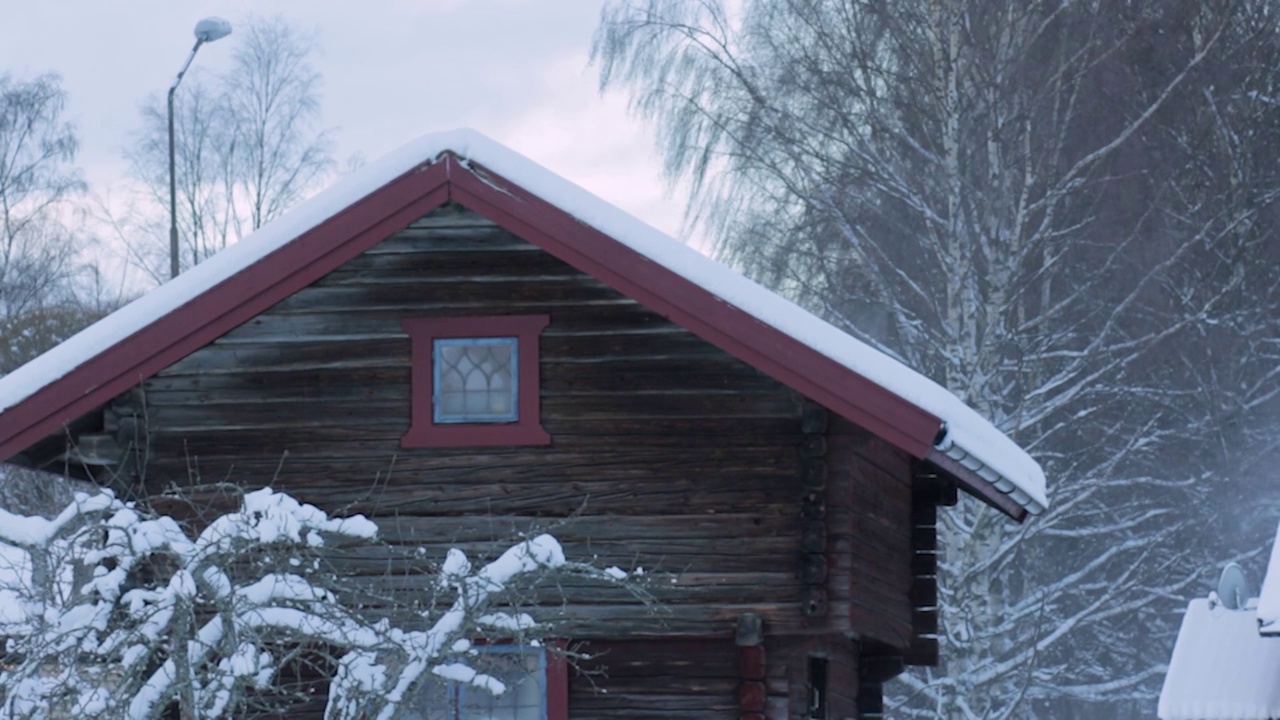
{"x": 116, "y": 612}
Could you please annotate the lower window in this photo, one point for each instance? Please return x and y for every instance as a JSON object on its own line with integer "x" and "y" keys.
{"x": 536, "y": 688}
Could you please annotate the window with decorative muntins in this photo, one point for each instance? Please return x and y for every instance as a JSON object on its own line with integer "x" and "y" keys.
{"x": 475, "y": 381}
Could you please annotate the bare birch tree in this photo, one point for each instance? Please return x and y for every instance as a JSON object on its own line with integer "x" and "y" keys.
{"x": 39, "y": 187}
{"x": 1013, "y": 198}
{"x": 248, "y": 145}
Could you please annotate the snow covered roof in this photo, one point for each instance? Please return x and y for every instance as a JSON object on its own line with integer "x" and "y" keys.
{"x": 1269, "y": 598}
{"x": 1221, "y": 669}
{"x": 962, "y": 442}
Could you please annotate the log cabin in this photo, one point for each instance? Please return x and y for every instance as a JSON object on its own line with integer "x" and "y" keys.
{"x": 493, "y": 348}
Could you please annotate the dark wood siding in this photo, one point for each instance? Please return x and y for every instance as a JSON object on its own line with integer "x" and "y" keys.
{"x": 683, "y": 679}
{"x": 870, "y": 510}
{"x": 666, "y": 453}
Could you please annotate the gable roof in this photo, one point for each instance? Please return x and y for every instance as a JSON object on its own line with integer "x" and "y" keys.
{"x": 713, "y": 301}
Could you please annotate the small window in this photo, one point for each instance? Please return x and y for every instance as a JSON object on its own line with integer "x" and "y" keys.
{"x": 474, "y": 381}
{"x": 536, "y": 688}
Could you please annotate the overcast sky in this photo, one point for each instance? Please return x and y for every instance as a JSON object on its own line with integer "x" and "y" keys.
{"x": 393, "y": 69}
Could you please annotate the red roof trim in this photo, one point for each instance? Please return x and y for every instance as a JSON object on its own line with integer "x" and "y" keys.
{"x": 735, "y": 331}
{"x": 235, "y": 300}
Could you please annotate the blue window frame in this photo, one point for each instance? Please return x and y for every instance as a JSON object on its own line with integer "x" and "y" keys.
{"x": 476, "y": 380}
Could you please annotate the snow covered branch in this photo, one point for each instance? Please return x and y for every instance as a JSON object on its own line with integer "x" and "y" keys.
{"x": 141, "y": 615}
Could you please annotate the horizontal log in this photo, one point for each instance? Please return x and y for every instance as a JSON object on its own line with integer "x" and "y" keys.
{"x": 667, "y": 685}
{"x": 393, "y": 413}
{"x": 815, "y": 601}
{"x": 384, "y": 441}
{"x": 389, "y": 386}
{"x": 869, "y": 569}
{"x": 351, "y": 325}
{"x": 924, "y": 594}
{"x": 681, "y": 565}
{"x": 677, "y": 376}
{"x": 308, "y": 352}
{"x": 627, "y": 621}
{"x": 332, "y": 301}
{"x": 693, "y": 526}
{"x": 670, "y": 495}
{"x": 874, "y": 623}
{"x": 924, "y": 564}
{"x": 505, "y": 279}
{"x": 882, "y": 600}
{"x": 701, "y": 657}
{"x": 588, "y": 704}
{"x": 413, "y": 261}
{"x": 923, "y": 514}
{"x": 924, "y": 539}
{"x": 479, "y": 239}
{"x": 574, "y": 476}
{"x": 451, "y": 215}
{"x": 862, "y": 442}
{"x": 673, "y": 601}
{"x": 925, "y": 622}
{"x": 923, "y": 652}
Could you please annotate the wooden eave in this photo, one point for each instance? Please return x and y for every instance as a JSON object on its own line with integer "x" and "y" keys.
{"x": 393, "y": 207}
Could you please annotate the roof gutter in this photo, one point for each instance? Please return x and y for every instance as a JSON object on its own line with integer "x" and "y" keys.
{"x": 980, "y": 479}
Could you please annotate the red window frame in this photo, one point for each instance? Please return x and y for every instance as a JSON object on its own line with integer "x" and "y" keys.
{"x": 423, "y": 429}
{"x": 557, "y": 681}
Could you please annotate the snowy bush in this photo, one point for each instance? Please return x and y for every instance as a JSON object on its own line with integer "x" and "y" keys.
{"x": 112, "y": 612}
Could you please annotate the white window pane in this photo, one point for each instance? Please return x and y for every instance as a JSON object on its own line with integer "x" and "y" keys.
{"x": 521, "y": 669}
{"x": 500, "y": 402}
{"x": 452, "y": 381}
{"x": 453, "y": 403}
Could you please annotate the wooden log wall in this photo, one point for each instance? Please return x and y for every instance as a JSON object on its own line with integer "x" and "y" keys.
{"x": 870, "y": 524}
{"x": 737, "y": 496}
{"x": 667, "y": 453}
{"x": 681, "y": 679}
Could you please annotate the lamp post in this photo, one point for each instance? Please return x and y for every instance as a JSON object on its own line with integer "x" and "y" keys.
{"x": 207, "y": 30}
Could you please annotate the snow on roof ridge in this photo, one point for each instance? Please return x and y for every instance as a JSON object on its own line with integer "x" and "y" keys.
{"x": 970, "y": 439}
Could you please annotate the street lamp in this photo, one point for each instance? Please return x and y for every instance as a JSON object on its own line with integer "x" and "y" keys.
{"x": 207, "y": 30}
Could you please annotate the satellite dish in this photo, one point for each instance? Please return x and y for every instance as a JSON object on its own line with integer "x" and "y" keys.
{"x": 1233, "y": 589}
